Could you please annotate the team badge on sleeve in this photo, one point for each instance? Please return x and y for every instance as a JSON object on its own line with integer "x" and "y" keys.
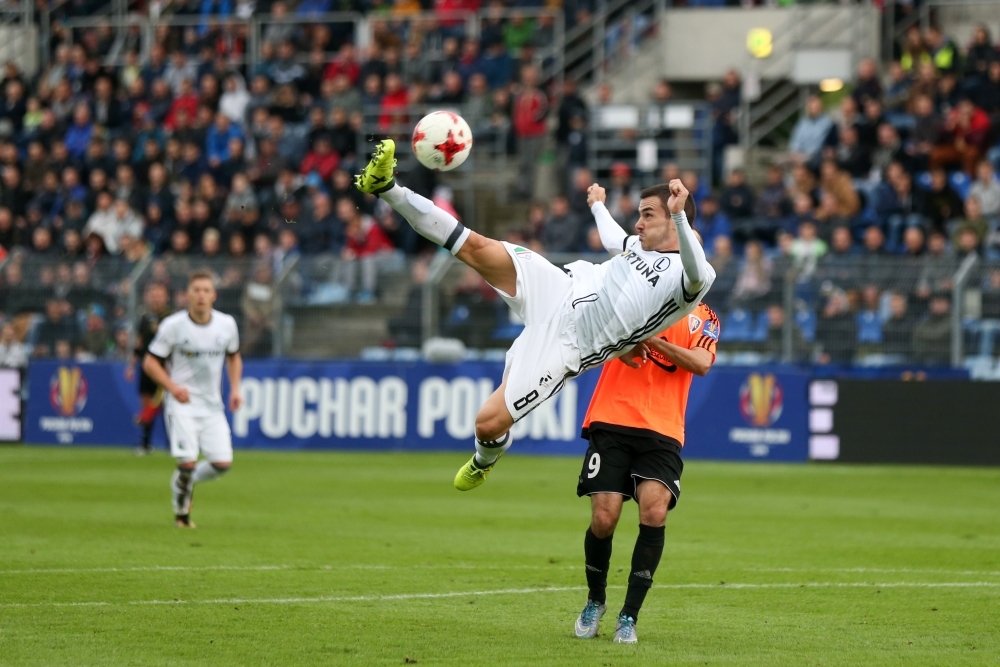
{"x": 694, "y": 323}
{"x": 711, "y": 330}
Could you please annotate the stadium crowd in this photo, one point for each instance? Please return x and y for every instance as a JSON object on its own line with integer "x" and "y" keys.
{"x": 191, "y": 157}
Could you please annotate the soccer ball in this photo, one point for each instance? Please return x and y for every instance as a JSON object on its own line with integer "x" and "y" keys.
{"x": 442, "y": 140}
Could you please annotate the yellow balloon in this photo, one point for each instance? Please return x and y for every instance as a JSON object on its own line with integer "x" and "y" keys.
{"x": 759, "y": 42}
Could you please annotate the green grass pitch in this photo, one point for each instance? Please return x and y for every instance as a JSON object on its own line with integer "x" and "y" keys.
{"x": 373, "y": 559}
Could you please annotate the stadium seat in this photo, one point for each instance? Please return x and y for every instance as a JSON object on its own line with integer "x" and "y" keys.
{"x": 869, "y": 327}
{"x": 738, "y": 326}
{"x": 961, "y": 183}
{"x": 806, "y": 320}
{"x": 506, "y": 329}
{"x": 759, "y": 333}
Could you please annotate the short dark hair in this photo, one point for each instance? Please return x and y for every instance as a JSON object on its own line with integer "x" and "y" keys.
{"x": 201, "y": 274}
{"x": 662, "y": 191}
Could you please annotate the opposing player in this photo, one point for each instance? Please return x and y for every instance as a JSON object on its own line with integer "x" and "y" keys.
{"x": 635, "y": 424}
{"x": 157, "y": 300}
{"x": 186, "y": 358}
{"x": 575, "y": 317}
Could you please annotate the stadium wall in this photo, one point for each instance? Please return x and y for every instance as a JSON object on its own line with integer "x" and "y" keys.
{"x": 733, "y": 414}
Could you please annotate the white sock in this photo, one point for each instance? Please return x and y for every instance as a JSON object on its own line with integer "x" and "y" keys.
{"x": 487, "y": 453}
{"x": 181, "y": 490}
{"x": 430, "y": 221}
{"x": 204, "y": 472}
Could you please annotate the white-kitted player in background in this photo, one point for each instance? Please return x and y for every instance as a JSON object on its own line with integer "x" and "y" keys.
{"x": 186, "y": 357}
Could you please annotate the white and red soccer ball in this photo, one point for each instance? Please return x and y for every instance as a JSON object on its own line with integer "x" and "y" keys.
{"x": 442, "y": 140}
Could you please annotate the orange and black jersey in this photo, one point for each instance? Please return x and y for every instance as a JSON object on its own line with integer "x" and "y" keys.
{"x": 652, "y": 400}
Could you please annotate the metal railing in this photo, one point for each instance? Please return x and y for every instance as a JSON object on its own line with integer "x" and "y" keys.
{"x": 846, "y": 309}
{"x": 647, "y": 137}
{"x": 610, "y": 38}
{"x": 251, "y": 32}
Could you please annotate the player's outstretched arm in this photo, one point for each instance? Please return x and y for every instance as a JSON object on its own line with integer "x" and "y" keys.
{"x": 698, "y": 273}
{"x": 696, "y": 360}
{"x": 612, "y": 235}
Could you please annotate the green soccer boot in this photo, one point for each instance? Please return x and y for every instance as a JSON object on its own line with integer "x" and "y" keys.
{"x": 379, "y": 174}
{"x": 472, "y": 474}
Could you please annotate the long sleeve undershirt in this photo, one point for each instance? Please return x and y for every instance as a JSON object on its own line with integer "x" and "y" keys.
{"x": 612, "y": 235}
{"x": 697, "y": 270}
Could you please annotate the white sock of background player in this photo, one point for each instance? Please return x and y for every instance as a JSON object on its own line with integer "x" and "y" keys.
{"x": 488, "y": 452}
{"x": 206, "y": 472}
{"x": 430, "y": 221}
{"x": 182, "y": 488}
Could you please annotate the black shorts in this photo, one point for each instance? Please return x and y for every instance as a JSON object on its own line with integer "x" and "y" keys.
{"x": 147, "y": 386}
{"x": 617, "y": 462}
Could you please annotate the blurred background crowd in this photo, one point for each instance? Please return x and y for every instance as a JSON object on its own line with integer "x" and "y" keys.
{"x": 124, "y": 158}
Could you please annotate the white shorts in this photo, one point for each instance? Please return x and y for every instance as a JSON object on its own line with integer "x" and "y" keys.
{"x": 546, "y": 353}
{"x": 208, "y": 435}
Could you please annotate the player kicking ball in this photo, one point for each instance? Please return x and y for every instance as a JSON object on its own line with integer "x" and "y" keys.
{"x": 575, "y": 317}
{"x": 186, "y": 358}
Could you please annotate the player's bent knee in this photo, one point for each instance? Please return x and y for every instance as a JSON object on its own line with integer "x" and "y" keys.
{"x": 655, "y": 516}
{"x": 603, "y": 522}
{"x": 221, "y": 467}
{"x": 186, "y": 466}
{"x": 491, "y": 427}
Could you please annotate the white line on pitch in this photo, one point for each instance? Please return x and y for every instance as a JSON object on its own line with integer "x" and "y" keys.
{"x": 453, "y": 566}
{"x": 878, "y": 570}
{"x": 266, "y": 568}
{"x": 512, "y": 591}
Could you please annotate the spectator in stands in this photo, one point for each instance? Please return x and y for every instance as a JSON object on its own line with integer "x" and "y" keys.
{"x": 889, "y": 150}
{"x": 753, "y": 283}
{"x": 773, "y": 204}
{"x": 897, "y": 330}
{"x": 913, "y": 242}
{"x": 13, "y": 353}
{"x": 810, "y": 132}
{"x": 837, "y": 183}
{"x": 807, "y": 248}
{"x": 932, "y": 335}
{"x": 737, "y": 199}
{"x": 967, "y": 242}
{"x": 973, "y": 222}
{"x": 365, "y": 251}
{"x": 837, "y": 330}
{"x": 95, "y": 340}
{"x": 968, "y": 127}
{"x": 840, "y": 265}
{"x": 57, "y": 326}
{"x": 868, "y": 85}
{"x": 851, "y": 156}
{"x": 530, "y": 111}
{"x": 941, "y": 203}
{"x": 562, "y": 230}
{"x": 897, "y": 206}
{"x": 712, "y": 223}
{"x": 774, "y": 343}
{"x": 939, "y": 267}
{"x": 943, "y": 52}
{"x": 407, "y": 329}
{"x": 986, "y": 189}
{"x": 260, "y": 307}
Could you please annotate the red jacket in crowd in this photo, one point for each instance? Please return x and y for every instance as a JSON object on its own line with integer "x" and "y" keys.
{"x": 530, "y": 108}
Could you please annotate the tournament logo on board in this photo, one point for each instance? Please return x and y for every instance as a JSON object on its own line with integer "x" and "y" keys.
{"x": 761, "y": 400}
{"x": 68, "y": 391}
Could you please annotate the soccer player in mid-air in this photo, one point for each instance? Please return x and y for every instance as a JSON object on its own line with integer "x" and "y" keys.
{"x": 635, "y": 424}
{"x": 186, "y": 359}
{"x": 575, "y": 317}
{"x": 157, "y": 300}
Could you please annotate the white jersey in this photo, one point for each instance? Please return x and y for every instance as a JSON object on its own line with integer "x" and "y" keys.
{"x": 627, "y": 299}
{"x": 195, "y": 355}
